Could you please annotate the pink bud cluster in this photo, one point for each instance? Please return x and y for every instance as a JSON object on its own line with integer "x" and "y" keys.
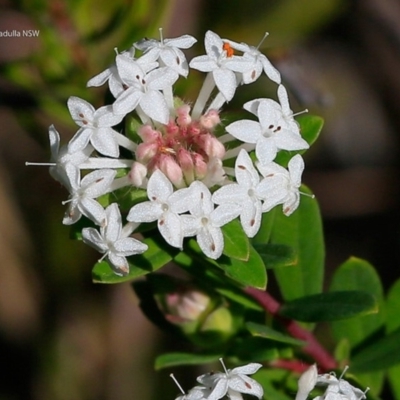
{"x": 183, "y": 149}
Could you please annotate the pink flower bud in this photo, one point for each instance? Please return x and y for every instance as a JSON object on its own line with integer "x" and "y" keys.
{"x": 183, "y": 118}
{"x": 137, "y": 174}
{"x": 148, "y": 134}
{"x": 186, "y": 162}
{"x": 146, "y": 151}
{"x": 200, "y": 166}
{"x": 210, "y": 119}
{"x": 213, "y": 147}
{"x": 187, "y": 305}
{"x": 171, "y": 170}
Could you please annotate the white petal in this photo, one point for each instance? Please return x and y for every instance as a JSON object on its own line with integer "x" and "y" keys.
{"x": 287, "y": 140}
{"x": 127, "y": 101}
{"x": 200, "y": 199}
{"x": 100, "y": 79}
{"x": 247, "y": 369}
{"x": 80, "y": 110}
{"x": 296, "y": 167}
{"x": 179, "y": 201}
{"x": 291, "y": 203}
{"x": 284, "y": 100}
{"x": 211, "y": 242}
{"x": 92, "y": 237}
{"x": 213, "y": 44}
{"x": 269, "y": 113}
{"x": 190, "y": 225}
{"x": 161, "y": 78}
{"x": 266, "y": 150}
{"x": 244, "y": 384}
{"x": 97, "y": 182}
{"x": 112, "y": 231}
{"x": 80, "y": 140}
{"x": 245, "y": 130}
{"x": 155, "y": 106}
{"x": 226, "y": 82}
{"x": 120, "y": 263}
{"x": 147, "y": 211}
{"x": 129, "y": 69}
{"x": 105, "y": 117}
{"x": 203, "y": 64}
{"x": 224, "y": 214}
{"x": 219, "y": 390}
{"x": 93, "y": 210}
{"x": 183, "y": 42}
{"x": 104, "y": 140}
{"x": 232, "y": 193}
{"x": 72, "y": 215}
{"x": 246, "y": 174}
{"x": 270, "y": 70}
{"x": 250, "y": 217}
{"x": 129, "y": 246}
{"x": 170, "y": 227}
{"x": 159, "y": 187}
{"x": 54, "y": 138}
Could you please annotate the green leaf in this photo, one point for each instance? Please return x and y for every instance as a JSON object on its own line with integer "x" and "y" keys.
{"x": 302, "y": 231}
{"x": 380, "y": 355}
{"x": 269, "y": 333}
{"x": 151, "y": 260}
{"x": 358, "y": 274}
{"x": 174, "y": 359}
{"x": 330, "y": 306}
{"x": 393, "y": 323}
{"x": 248, "y": 273}
{"x": 276, "y": 255}
{"x": 236, "y": 243}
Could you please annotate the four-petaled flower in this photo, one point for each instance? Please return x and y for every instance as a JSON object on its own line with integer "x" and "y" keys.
{"x": 205, "y": 221}
{"x": 95, "y": 127}
{"x": 233, "y": 383}
{"x": 84, "y": 192}
{"x": 274, "y": 131}
{"x": 165, "y": 205}
{"x": 113, "y": 240}
{"x": 281, "y": 186}
{"x": 222, "y": 63}
{"x": 143, "y": 89}
{"x": 244, "y": 193}
{"x": 168, "y": 51}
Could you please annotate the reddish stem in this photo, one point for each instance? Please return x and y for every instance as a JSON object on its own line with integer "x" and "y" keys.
{"x": 313, "y": 348}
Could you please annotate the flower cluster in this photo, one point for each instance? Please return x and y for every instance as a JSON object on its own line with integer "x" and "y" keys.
{"x": 232, "y": 383}
{"x": 175, "y": 152}
{"x": 336, "y": 388}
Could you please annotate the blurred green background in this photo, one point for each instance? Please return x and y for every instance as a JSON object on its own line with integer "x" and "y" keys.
{"x": 61, "y": 337}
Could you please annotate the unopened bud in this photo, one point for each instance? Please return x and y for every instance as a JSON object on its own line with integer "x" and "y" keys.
{"x": 183, "y": 118}
{"x": 171, "y": 170}
{"x": 148, "y": 134}
{"x": 210, "y": 119}
{"x": 307, "y": 382}
{"x": 137, "y": 174}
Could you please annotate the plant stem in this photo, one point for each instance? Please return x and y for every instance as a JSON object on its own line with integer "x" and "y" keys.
{"x": 313, "y": 348}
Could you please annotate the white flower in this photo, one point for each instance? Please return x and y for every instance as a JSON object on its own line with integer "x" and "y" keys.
{"x": 222, "y": 63}
{"x": 233, "y": 382}
{"x": 281, "y": 186}
{"x": 259, "y": 63}
{"x": 60, "y": 157}
{"x": 113, "y": 240}
{"x": 83, "y": 193}
{"x": 244, "y": 194}
{"x": 205, "y": 222}
{"x": 307, "y": 382}
{"x": 272, "y": 133}
{"x": 168, "y": 51}
{"x": 95, "y": 127}
{"x": 196, "y": 393}
{"x": 164, "y": 207}
{"x": 143, "y": 89}
{"x": 339, "y": 388}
